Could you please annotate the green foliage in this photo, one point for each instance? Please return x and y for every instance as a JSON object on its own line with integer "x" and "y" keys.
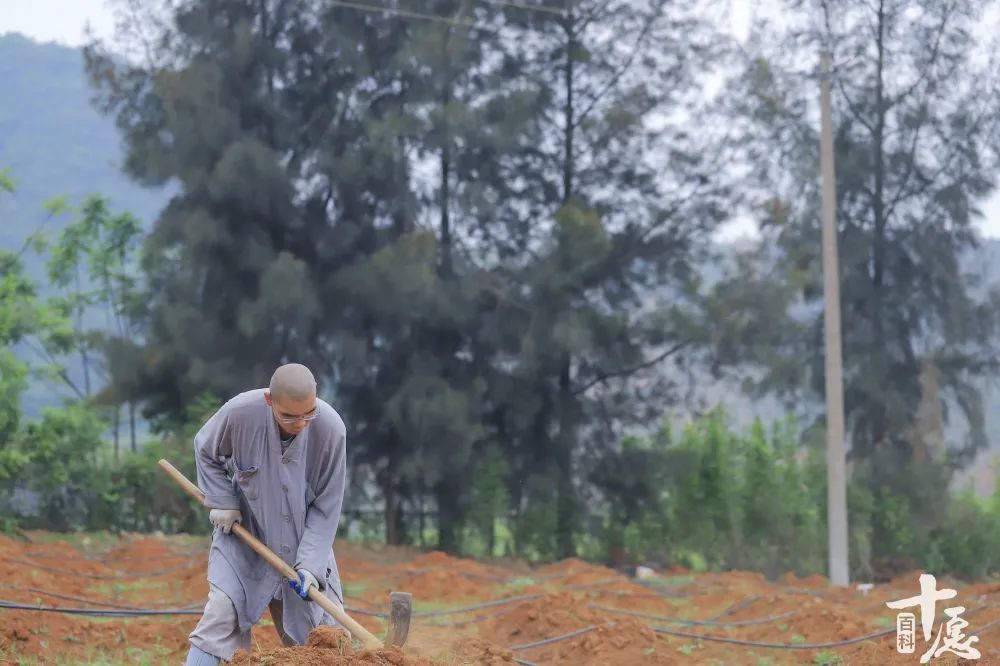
{"x": 757, "y": 500}
{"x": 58, "y": 462}
{"x": 718, "y": 499}
{"x": 489, "y": 498}
{"x": 62, "y": 460}
{"x": 535, "y": 524}
{"x": 6, "y": 182}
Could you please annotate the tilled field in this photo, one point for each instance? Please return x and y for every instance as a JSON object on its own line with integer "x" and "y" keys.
{"x": 137, "y": 598}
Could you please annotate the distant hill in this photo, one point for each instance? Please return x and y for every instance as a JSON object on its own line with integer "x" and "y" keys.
{"x": 55, "y": 143}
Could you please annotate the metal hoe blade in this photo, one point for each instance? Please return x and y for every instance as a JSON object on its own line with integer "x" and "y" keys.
{"x": 400, "y": 610}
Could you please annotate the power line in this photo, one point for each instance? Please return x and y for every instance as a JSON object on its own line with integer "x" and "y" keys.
{"x": 408, "y": 14}
{"x": 435, "y": 18}
{"x": 520, "y": 5}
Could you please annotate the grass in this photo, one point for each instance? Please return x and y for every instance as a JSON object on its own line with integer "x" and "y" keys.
{"x": 148, "y": 655}
{"x": 354, "y": 588}
{"x": 826, "y": 658}
{"x": 136, "y": 584}
{"x": 11, "y": 654}
{"x": 687, "y": 649}
{"x": 425, "y": 606}
{"x": 86, "y": 541}
{"x": 519, "y": 584}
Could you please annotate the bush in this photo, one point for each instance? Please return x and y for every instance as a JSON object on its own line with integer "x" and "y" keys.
{"x": 57, "y": 473}
{"x": 719, "y": 499}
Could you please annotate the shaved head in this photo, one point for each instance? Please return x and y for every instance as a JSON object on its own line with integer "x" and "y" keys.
{"x": 293, "y": 383}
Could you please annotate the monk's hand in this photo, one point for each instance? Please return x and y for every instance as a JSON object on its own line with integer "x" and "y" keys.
{"x": 225, "y": 518}
{"x": 302, "y": 585}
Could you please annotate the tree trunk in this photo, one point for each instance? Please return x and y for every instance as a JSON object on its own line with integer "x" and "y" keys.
{"x": 84, "y": 357}
{"x": 448, "y": 517}
{"x": 131, "y": 424}
{"x": 446, "y": 264}
{"x": 115, "y": 427}
{"x": 391, "y": 508}
{"x": 566, "y": 499}
{"x": 421, "y": 521}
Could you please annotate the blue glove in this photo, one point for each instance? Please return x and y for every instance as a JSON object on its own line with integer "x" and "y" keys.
{"x": 302, "y": 585}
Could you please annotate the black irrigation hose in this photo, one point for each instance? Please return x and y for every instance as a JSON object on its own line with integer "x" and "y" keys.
{"x": 556, "y": 639}
{"x": 587, "y": 586}
{"x": 489, "y": 604}
{"x": 803, "y": 646}
{"x": 141, "y": 612}
{"x": 478, "y": 618}
{"x": 738, "y": 606}
{"x": 68, "y": 597}
{"x": 781, "y": 646}
{"x": 720, "y": 639}
{"x": 670, "y": 591}
{"x": 366, "y": 612}
{"x": 700, "y": 623}
{"x": 737, "y": 641}
{"x": 453, "y": 611}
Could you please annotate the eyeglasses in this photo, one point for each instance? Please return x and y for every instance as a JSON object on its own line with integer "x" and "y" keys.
{"x": 295, "y": 419}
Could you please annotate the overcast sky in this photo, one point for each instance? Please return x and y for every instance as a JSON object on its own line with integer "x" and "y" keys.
{"x": 64, "y": 21}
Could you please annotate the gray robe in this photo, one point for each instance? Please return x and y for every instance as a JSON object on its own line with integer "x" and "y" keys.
{"x": 290, "y": 501}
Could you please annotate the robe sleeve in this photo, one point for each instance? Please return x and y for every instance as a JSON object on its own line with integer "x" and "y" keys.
{"x": 213, "y": 442}
{"x": 323, "y": 515}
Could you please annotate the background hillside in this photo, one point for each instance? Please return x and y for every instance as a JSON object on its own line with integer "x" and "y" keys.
{"x": 55, "y": 144}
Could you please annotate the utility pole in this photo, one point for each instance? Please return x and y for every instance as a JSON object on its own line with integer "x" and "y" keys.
{"x": 836, "y": 481}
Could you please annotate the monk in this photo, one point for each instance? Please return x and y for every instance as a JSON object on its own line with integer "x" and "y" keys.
{"x": 273, "y": 460}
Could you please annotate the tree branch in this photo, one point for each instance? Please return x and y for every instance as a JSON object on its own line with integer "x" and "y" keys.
{"x": 617, "y": 75}
{"x": 933, "y": 57}
{"x": 61, "y": 372}
{"x": 632, "y": 369}
{"x": 585, "y": 22}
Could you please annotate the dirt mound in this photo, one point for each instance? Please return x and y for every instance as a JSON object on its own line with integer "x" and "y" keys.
{"x": 551, "y": 615}
{"x": 814, "y": 582}
{"x": 439, "y": 560}
{"x": 442, "y": 585}
{"x": 814, "y": 621}
{"x": 573, "y": 565}
{"x": 327, "y": 646}
{"x": 623, "y": 642}
{"x": 754, "y": 578}
{"x": 479, "y": 652}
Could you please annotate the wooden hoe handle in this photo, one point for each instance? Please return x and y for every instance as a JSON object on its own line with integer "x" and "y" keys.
{"x": 366, "y": 637}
